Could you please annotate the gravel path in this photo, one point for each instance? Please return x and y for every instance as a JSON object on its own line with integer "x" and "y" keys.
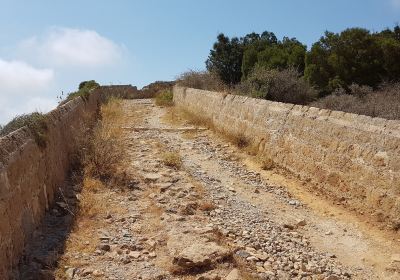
{"x": 213, "y": 218}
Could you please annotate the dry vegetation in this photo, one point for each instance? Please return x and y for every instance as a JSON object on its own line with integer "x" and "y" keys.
{"x": 106, "y": 148}
{"x": 172, "y": 159}
{"x": 282, "y": 86}
{"x": 201, "y": 80}
{"x": 265, "y": 163}
{"x": 363, "y": 100}
{"x": 178, "y": 116}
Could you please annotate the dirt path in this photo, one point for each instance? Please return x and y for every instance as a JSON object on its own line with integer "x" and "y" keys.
{"x": 218, "y": 216}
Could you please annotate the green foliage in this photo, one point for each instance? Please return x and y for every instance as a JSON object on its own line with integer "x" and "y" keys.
{"x": 36, "y": 122}
{"x": 165, "y": 98}
{"x": 233, "y": 59}
{"x": 353, "y": 56}
{"x": 88, "y": 84}
{"x": 283, "y": 86}
{"x": 83, "y": 91}
{"x": 225, "y": 59}
{"x": 337, "y": 60}
{"x": 285, "y": 54}
{"x": 250, "y": 58}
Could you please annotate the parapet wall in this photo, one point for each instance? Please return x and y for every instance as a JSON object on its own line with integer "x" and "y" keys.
{"x": 31, "y": 175}
{"x": 352, "y": 158}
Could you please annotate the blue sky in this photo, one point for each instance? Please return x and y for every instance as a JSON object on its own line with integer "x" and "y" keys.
{"x": 50, "y": 46}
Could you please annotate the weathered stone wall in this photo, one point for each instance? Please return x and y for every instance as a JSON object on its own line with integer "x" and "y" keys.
{"x": 30, "y": 175}
{"x": 352, "y": 158}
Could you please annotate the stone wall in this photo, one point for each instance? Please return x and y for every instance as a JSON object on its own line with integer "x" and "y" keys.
{"x": 31, "y": 175}
{"x": 353, "y": 159}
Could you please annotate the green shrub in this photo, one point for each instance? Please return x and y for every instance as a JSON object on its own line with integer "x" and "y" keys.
{"x": 88, "y": 84}
{"x": 83, "y": 91}
{"x": 36, "y": 122}
{"x": 165, "y": 98}
{"x": 282, "y": 86}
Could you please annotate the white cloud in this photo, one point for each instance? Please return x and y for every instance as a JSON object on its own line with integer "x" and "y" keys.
{"x": 47, "y": 64}
{"x": 17, "y": 76}
{"x": 72, "y": 47}
{"x": 21, "y": 89}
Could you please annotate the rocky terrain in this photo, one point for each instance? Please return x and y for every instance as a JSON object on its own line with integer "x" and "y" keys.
{"x": 211, "y": 216}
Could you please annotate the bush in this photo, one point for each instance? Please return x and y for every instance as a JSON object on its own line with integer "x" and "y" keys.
{"x": 88, "y": 84}
{"x": 83, "y": 91}
{"x": 36, "y": 122}
{"x": 165, "y": 98}
{"x": 383, "y": 103}
{"x": 201, "y": 80}
{"x": 151, "y": 90}
{"x": 282, "y": 86}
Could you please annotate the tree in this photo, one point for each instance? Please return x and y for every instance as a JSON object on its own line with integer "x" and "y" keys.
{"x": 353, "y": 56}
{"x": 389, "y": 42}
{"x": 253, "y": 45}
{"x": 250, "y": 58}
{"x": 285, "y": 54}
{"x": 225, "y": 59}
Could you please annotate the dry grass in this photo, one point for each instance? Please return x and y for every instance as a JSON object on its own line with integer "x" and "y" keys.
{"x": 172, "y": 159}
{"x": 107, "y": 147}
{"x": 206, "y": 206}
{"x": 244, "y": 268}
{"x": 239, "y": 140}
{"x": 152, "y": 217}
{"x": 198, "y": 121}
{"x": 90, "y": 205}
{"x": 266, "y": 163}
{"x": 179, "y": 116}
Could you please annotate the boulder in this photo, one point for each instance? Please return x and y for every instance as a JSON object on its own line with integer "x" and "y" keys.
{"x": 200, "y": 255}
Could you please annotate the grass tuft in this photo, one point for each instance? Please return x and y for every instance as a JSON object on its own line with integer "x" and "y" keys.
{"x": 172, "y": 159}
{"x": 266, "y": 163}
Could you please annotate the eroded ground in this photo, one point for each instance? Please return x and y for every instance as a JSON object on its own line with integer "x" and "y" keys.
{"x": 218, "y": 216}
